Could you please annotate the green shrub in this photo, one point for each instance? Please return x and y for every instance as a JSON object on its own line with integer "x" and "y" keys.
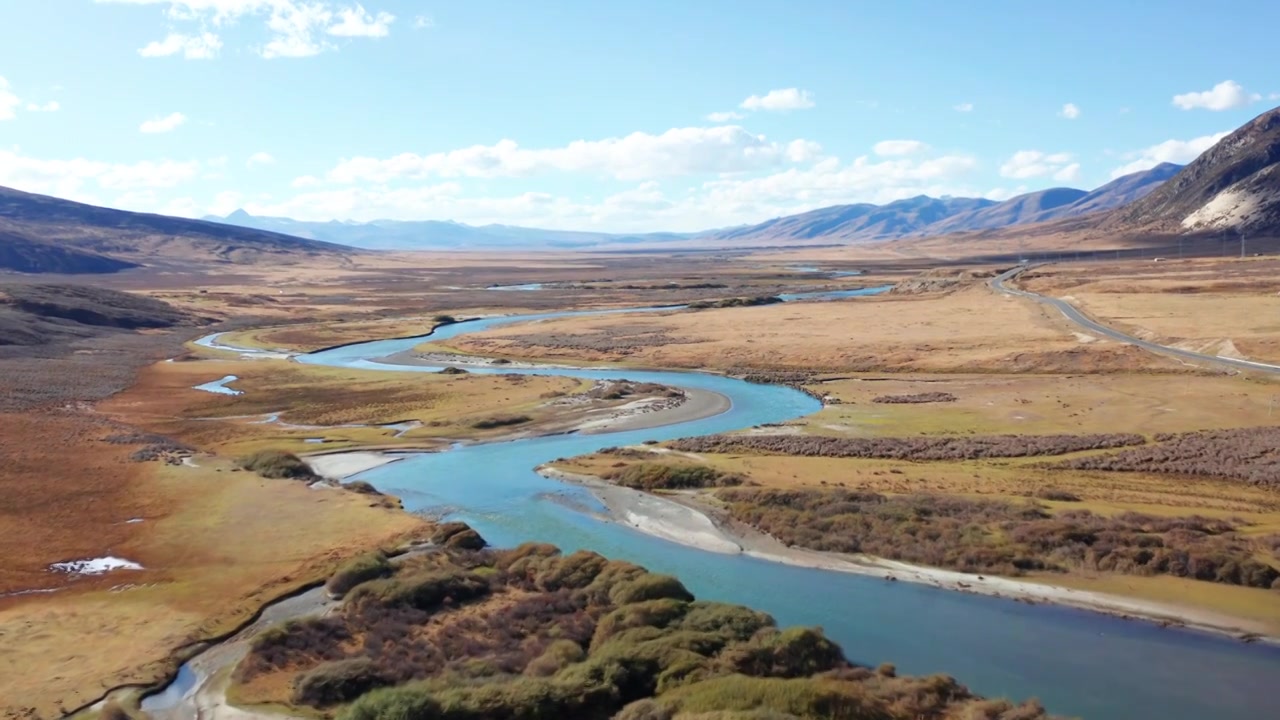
{"x": 426, "y": 590}
{"x": 454, "y": 370}
{"x": 649, "y": 587}
{"x": 733, "y": 622}
{"x": 337, "y": 682}
{"x": 652, "y": 613}
{"x": 643, "y": 710}
{"x": 662, "y": 476}
{"x": 791, "y": 653}
{"x": 573, "y": 572}
{"x": 804, "y": 698}
{"x": 558, "y": 655}
{"x": 277, "y": 464}
{"x": 500, "y": 421}
{"x": 369, "y": 566}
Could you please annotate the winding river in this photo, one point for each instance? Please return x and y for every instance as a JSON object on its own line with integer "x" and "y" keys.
{"x": 1078, "y": 663}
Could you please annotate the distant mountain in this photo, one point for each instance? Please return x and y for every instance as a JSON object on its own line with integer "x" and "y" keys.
{"x": 39, "y": 233}
{"x": 924, "y": 216}
{"x": 436, "y": 234}
{"x": 856, "y": 222}
{"x": 1019, "y": 210}
{"x": 1234, "y": 185}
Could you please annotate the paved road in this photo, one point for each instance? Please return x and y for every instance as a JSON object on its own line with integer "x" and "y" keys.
{"x": 1074, "y": 315}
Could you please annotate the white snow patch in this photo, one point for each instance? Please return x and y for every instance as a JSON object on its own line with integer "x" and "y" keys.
{"x": 94, "y": 566}
{"x": 1228, "y": 209}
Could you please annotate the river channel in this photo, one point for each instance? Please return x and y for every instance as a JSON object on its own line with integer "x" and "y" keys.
{"x": 1077, "y": 662}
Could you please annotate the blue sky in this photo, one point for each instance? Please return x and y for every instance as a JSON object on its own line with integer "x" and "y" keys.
{"x": 609, "y": 115}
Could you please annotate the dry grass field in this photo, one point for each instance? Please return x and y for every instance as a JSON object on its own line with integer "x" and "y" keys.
{"x": 968, "y": 330}
{"x": 1225, "y": 307}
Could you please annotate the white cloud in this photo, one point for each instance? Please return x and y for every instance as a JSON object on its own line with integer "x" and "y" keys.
{"x": 422, "y": 22}
{"x": 893, "y": 148}
{"x": 963, "y": 107}
{"x": 647, "y": 206}
{"x": 679, "y": 151}
{"x": 1070, "y": 173}
{"x": 1171, "y": 151}
{"x": 297, "y": 28}
{"x": 357, "y": 22}
{"x": 9, "y": 103}
{"x": 204, "y": 46}
{"x": 1027, "y": 164}
{"x": 74, "y": 178}
{"x": 1274, "y": 96}
{"x": 259, "y": 159}
{"x": 1002, "y": 194}
{"x": 721, "y": 117}
{"x": 1226, "y": 95}
{"x": 1069, "y": 111}
{"x": 51, "y": 106}
{"x": 785, "y": 99}
{"x": 165, "y": 124}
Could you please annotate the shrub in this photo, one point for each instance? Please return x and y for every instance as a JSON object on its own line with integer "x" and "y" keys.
{"x": 277, "y": 464}
{"x": 337, "y": 682}
{"x": 643, "y": 710}
{"x": 457, "y": 535}
{"x": 649, "y": 587}
{"x": 795, "y": 652}
{"x": 1057, "y": 495}
{"x": 500, "y": 421}
{"x": 916, "y": 398}
{"x": 804, "y": 698}
{"x": 732, "y": 622}
{"x": 455, "y": 370}
{"x": 558, "y": 655}
{"x": 425, "y": 590}
{"x": 357, "y": 570}
{"x": 663, "y": 476}
{"x": 444, "y": 319}
{"x": 650, "y": 613}
{"x": 361, "y": 487}
{"x": 909, "y": 448}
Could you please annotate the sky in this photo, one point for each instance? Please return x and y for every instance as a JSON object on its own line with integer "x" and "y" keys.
{"x": 635, "y": 116}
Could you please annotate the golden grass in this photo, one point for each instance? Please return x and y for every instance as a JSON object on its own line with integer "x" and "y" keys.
{"x": 1036, "y": 404}
{"x": 972, "y": 330}
{"x": 230, "y": 542}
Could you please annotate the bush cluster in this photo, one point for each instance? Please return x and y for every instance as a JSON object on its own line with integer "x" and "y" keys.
{"x": 664, "y": 476}
{"x": 909, "y": 448}
{"x": 500, "y": 421}
{"x": 531, "y": 634}
{"x": 1250, "y": 455}
{"x": 915, "y": 398}
{"x": 277, "y": 464}
{"x": 1004, "y": 537}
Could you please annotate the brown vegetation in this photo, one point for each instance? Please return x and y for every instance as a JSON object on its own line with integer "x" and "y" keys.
{"x": 1250, "y": 455}
{"x": 1010, "y": 538}
{"x": 909, "y": 448}
{"x": 915, "y": 398}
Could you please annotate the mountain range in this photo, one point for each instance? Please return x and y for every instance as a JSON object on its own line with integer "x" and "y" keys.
{"x": 437, "y": 234}
{"x": 1234, "y": 187}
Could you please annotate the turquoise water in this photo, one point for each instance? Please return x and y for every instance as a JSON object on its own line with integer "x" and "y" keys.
{"x": 1077, "y": 663}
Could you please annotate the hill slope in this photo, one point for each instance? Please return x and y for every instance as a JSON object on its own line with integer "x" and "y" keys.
{"x": 925, "y": 216}
{"x": 39, "y": 233}
{"x": 1234, "y": 185}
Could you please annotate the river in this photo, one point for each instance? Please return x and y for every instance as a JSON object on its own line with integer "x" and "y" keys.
{"x": 1077, "y": 662}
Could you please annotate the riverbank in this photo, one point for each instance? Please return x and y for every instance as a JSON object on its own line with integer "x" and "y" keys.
{"x": 640, "y": 415}
{"x": 687, "y": 519}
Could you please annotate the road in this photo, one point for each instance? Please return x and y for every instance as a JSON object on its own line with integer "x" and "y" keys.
{"x": 1079, "y": 318}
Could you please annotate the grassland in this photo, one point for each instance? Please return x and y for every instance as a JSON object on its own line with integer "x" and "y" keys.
{"x": 1219, "y": 306}
{"x": 968, "y": 329}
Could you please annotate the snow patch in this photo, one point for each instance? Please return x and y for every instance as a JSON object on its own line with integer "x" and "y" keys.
{"x": 1228, "y": 209}
{"x": 94, "y": 566}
